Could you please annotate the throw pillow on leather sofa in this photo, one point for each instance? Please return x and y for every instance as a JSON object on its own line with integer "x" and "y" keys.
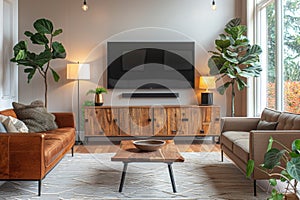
{"x": 35, "y": 116}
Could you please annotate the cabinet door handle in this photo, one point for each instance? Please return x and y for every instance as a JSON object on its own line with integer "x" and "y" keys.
{"x": 149, "y": 120}
{"x": 100, "y": 132}
{"x": 201, "y": 131}
{"x": 184, "y": 119}
{"x": 173, "y": 131}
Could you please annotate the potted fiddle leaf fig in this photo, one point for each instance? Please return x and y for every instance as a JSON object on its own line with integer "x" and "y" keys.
{"x": 40, "y": 62}
{"x": 235, "y": 59}
{"x": 287, "y": 160}
{"x": 98, "y": 95}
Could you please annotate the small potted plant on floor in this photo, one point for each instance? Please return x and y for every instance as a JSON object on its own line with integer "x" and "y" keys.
{"x": 98, "y": 95}
{"x": 288, "y": 162}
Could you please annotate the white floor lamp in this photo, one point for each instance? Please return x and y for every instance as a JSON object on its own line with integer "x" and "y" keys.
{"x": 78, "y": 72}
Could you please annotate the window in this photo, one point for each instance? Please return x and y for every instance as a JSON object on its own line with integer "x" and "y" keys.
{"x": 278, "y": 33}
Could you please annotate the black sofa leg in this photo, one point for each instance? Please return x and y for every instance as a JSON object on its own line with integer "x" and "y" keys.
{"x": 72, "y": 150}
{"x": 222, "y": 155}
{"x": 254, "y": 187}
{"x": 39, "y": 187}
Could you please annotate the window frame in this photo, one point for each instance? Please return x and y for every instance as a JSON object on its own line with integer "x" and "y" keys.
{"x": 258, "y": 102}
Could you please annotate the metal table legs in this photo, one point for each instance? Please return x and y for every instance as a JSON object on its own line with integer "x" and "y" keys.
{"x": 170, "y": 173}
{"x": 172, "y": 177}
{"x": 123, "y": 176}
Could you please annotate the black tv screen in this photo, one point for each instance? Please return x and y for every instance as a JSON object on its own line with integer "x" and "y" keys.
{"x": 150, "y": 65}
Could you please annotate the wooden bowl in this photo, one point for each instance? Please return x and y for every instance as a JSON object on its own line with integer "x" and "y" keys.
{"x": 148, "y": 145}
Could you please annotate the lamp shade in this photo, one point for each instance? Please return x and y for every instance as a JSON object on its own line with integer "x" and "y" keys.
{"x": 207, "y": 82}
{"x": 78, "y": 71}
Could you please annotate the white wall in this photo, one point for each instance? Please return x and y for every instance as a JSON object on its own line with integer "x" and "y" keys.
{"x": 86, "y": 33}
{"x": 8, "y": 37}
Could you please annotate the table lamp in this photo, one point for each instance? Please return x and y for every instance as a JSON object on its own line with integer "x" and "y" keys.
{"x": 78, "y": 72}
{"x": 207, "y": 83}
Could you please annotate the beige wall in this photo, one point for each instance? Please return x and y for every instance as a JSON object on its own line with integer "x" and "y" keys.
{"x": 86, "y": 33}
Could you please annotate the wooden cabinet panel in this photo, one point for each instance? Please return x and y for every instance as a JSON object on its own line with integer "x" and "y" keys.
{"x": 178, "y": 121}
{"x": 91, "y": 125}
{"x": 211, "y": 120}
{"x": 108, "y": 119}
{"x": 124, "y": 119}
{"x": 196, "y": 121}
{"x": 101, "y": 122}
{"x": 136, "y": 121}
{"x": 160, "y": 125}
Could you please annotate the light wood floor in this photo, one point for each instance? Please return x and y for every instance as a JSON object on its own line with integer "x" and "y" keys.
{"x": 112, "y": 148}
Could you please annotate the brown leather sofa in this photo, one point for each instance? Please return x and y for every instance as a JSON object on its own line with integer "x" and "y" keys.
{"x": 240, "y": 140}
{"x": 30, "y": 156}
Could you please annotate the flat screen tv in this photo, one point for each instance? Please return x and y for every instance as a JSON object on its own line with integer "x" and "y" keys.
{"x": 150, "y": 65}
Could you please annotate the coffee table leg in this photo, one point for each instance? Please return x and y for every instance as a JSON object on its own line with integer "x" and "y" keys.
{"x": 123, "y": 177}
{"x": 172, "y": 177}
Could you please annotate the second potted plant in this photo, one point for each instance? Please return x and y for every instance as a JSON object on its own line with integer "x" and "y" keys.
{"x": 287, "y": 161}
{"x": 98, "y": 95}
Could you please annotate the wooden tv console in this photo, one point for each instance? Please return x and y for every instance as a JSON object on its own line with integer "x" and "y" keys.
{"x": 151, "y": 121}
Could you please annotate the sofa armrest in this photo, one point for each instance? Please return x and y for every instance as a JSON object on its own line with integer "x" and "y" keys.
{"x": 259, "y": 141}
{"x": 64, "y": 119}
{"x": 239, "y": 123}
{"x": 21, "y": 154}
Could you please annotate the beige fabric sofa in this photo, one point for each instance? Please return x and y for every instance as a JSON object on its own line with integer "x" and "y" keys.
{"x": 240, "y": 140}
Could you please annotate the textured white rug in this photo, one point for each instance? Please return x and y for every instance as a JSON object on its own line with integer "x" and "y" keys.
{"x": 94, "y": 176}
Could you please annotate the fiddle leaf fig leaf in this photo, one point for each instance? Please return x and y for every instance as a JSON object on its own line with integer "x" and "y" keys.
{"x": 43, "y": 26}
{"x": 21, "y": 55}
{"x": 255, "y": 49}
{"x": 223, "y": 43}
{"x": 232, "y": 60}
{"x": 57, "y": 32}
{"x": 234, "y": 22}
{"x": 237, "y": 31}
{"x": 249, "y": 59}
{"x": 222, "y": 88}
{"x": 31, "y": 72}
{"x": 28, "y": 33}
{"x": 241, "y": 84}
{"x": 214, "y": 52}
{"x": 55, "y": 75}
{"x": 241, "y": 42}
{"x": 232, "y": 54}
{"x": 215, "y": 63}
{"x": 21, "y": 46}
{"x": 58, "y": 50}
{"x": 39, "y": 38}
{"x": 223, "y": 36}
{"x": 43, "y": 58}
